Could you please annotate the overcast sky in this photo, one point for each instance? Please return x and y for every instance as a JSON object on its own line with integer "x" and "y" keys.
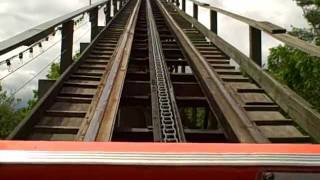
{"x": 19, "y": 15}
{"x": 284, "y": 13}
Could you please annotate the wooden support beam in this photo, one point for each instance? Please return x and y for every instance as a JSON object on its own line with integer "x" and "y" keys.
{"x": 298, "y": 109}
{"x": 83, "y": 46}
{"x": 156, "y": 125}
{"x": 183, "y": 5}
{"x": 66, "y": 45}
{"x": 193, "y": 135}
{"x": 24, "y": 129}
{"x": 214, "y": 21}
{"x": 138, "y": 88}
{"x": 122, "y": 3}
{"x": 255, "y": 45}
{"x": 271, "y": 28}
{"x": 104, "y": 116}
{"x": 107, "y": 11}
{"x": 94, "y": 23}
{"x": 44, "y": 85}
{"x": 186, "y": 101}
{"x": 119, "y": 4}
{"x": 235, "y": 121}
{"x": 206, "y": 118}
{"x": 195, "y": 11}
{"x": 41, "y": 31}
{"x": 115, "y": 7}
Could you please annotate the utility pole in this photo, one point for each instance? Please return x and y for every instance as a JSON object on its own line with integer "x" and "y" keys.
{"x": 89, "y": 2}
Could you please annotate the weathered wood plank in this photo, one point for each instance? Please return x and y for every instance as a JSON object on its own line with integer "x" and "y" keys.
{"x": 255, "y": 45}
{"x": 237, "y": 122}
{"x": 23, "y": 130}
{"x": 283, "y": 133}
{"x": 270, "y": 28}
{"x": 103, "y": 118}
{"x": 297, "y": 108}
{"x": 32, "y": 35}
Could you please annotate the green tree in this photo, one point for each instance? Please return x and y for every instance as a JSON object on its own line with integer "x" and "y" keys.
{"x": 9, "y": 116}
{"x": 54, "y": 72}
{"x": 298, "y": 70}
{"x": 30, "y": 104}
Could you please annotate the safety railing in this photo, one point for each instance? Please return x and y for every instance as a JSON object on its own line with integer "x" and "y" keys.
{"x": 67, "y": 26}
{"x": 256, "y": 27}
{"x": 302, "y": 112}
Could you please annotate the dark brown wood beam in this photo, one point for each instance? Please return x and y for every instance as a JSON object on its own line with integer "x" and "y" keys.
{"x": 181, "y": 101}
{"x": 192, "y": 135}
{"x": 138, "y": 88}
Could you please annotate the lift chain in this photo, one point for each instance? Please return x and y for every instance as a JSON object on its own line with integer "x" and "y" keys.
{"x": 167, "y": 118}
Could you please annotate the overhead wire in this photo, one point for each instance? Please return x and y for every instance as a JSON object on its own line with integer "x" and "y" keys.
{"x": 28, "y": 62}
{"x": 40, "y": 41}
{"x": 36, "y": 75}
{"x": 38, "y": 55}
{"x": 42, "y": 52}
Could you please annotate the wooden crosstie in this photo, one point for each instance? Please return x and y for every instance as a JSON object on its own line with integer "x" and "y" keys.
{"x": 114, "y": 92}
{"x": 154, "y": 73}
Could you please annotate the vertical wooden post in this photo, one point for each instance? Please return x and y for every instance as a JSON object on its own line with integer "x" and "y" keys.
{"x": 255, "y": 45}
{"x": 43, "y": 86}
{"x": 108, "y": 11}
{"x": 83, "y": 47}
{"x": 183, "y": 5}
{"x": 183, "y": 69}
{"x": 195, "y": 11}
{"x": 214, "y": 21}
{"x": 94, "y": 22}
{"x": 194, "y": 114}
{"x": 178, "y": 3}
{"x": 115, "y": 7}
{"x": 66, "y": 45}
{"x": 206, "y": 118}
{"x": 120, "y": 4}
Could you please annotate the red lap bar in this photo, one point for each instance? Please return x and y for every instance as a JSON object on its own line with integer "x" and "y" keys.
{"x": 81, "y": 160}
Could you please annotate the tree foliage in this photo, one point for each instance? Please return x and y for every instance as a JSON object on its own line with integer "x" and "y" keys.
{"x": 311, "y": 11}
{"x": 298, "y": 70}
{"x": 10, "y": 116}
{"x": 193, "y": 118}
{"x": 54, "y": 72}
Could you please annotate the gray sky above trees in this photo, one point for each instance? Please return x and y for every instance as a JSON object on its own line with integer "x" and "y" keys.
{"x": 19, "y": 15}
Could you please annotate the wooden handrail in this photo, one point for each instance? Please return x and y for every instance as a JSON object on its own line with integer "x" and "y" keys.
{"x": 22, "y": 128}
{"x": 295, "y": 106}
{"x": 273, "y": 30}
{"x": 34, "y": 34}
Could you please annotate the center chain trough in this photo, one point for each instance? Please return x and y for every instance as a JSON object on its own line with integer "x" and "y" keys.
{"x": 168, "y": 116}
